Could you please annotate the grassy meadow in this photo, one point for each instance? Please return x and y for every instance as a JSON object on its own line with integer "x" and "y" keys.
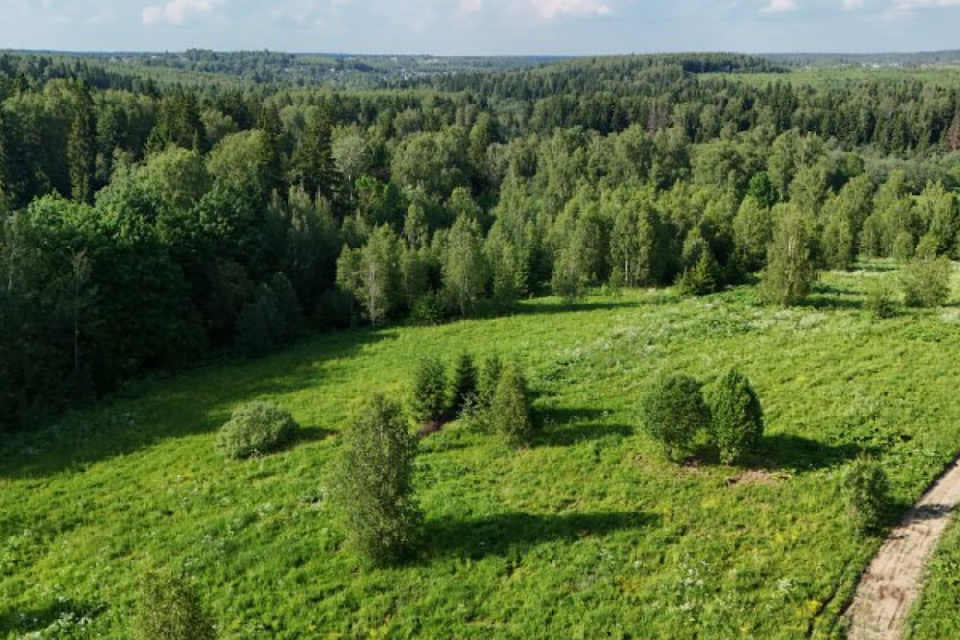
{"x": 587, "y": 534}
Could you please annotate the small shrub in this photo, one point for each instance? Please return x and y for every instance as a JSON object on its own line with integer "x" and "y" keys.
{"x": 736, "y": 417}
{"x": 372, "y": 487}
{"x": 866, "y": 492}
{"x": 881, "y": 303}
{"x": 510, "y": 408}
{"x": 169, "y": 608}
{"x": 428, "y": 400}
{"x": 464, "y": 385}
{"x": 926, "y": 282}
{"x": 673, "y": 413}
{"x": 256, "y": 428}
{"x": 428, "y": 309}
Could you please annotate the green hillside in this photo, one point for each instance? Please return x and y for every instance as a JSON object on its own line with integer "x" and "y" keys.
{"x": 587, "y": 534}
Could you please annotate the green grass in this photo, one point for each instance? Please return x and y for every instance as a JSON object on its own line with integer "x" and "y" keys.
{"x": 587, "y": 534}
{"x": 937, "y": 615}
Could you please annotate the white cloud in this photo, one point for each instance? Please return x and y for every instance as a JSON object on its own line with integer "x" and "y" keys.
{"x": 471, "y": 6}
{"x": 550, "y": 9}
{"x": 852, "y": 5}
{"x": 177, "y": 11}
{"x": 780, "y": 6}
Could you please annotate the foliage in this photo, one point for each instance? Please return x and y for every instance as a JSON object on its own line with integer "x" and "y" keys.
{"x": 736, "y": 417}
{"x": 488, "y": 378}
{"x": 463, "y": 386}
{"x": 169, "y": 608}
{"x": 926, "y": 282}
{"x": 428, "y": 401}
{"x": 510, "y": 413}
{"x": 674, "y": 412}
{"x": 866, "y": 493}
{"x": 256, "y": 428}
{"x": 372, "y": 485}
{"x": 790, "y": 271}
{"x": 588, "y": 492}
{"x": 880, "y": 302}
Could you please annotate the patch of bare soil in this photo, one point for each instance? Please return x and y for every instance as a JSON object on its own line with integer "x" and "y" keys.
{"x": 894, "y": 579}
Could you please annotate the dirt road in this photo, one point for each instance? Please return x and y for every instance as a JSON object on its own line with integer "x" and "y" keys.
{"x": 894, "y": 580}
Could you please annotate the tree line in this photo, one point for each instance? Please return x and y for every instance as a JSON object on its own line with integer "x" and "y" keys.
{"x": 143, "y": 229}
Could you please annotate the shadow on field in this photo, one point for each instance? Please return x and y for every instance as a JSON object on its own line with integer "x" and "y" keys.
{"x": 511, "y": 532}
{"x": 788, "y": 451}
{"x": 564, "y": 426}
{"x": 193, "y": 402}
{"x": 826, "y": 296}
{"x": 586, "y": 305}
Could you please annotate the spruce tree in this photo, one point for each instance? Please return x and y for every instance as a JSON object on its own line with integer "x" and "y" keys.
{"x": 510, "y": 408}
{"x": 736, "y": 417}
{"x": 463, "y": 389}
{"x": 428, "y": 399}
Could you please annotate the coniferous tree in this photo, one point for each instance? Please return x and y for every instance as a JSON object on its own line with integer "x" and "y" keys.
{"x": 82, "y": 148}
{"x": 736, "y": 417}
{"x": 463, "y": 388}
{"x": 510, "y": 413}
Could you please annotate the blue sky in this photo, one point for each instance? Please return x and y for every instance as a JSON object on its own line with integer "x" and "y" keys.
{"x": 482, "y": 27}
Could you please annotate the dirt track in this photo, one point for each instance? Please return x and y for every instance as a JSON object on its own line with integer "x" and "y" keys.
{"x": 893, "y": 582}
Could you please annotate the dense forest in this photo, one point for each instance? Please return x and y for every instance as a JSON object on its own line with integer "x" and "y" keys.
{"x": 148, "y": 221}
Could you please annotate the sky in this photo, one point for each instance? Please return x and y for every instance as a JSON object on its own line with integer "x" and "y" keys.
{"x": 482, "y": 27}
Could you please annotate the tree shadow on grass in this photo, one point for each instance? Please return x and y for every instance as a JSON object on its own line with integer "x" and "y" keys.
{"x": 652, "y": 300}
{"x": 192, "y": 403}
{"x": 796, "y": 453}
{"x": 516, "y": 532}
{"x": 562, "y": 427}
{"x": 828, "y": 296}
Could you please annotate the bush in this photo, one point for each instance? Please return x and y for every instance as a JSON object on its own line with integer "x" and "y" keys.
{"x": 372, "y": 487}
{"x": 866, "y": 493}
{"x": 168, "y": 608}
{"x": 673, "y": 413}
{"x": 736, "y": 417}
{"x": 428, "y": 400}
{"x": 881, "y": 303}
{"x": 256, "y": 428}
{"x": 428, "y": 309}
{"x": 464, "y": 386}
{"x": 926, "y": 282}
{"x": 510, "y": 408}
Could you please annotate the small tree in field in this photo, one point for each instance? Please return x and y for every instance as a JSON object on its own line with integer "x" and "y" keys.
{"x": 373, "y": 484}
{"x": 463, "y": 389}
{"x": 674, "y": 412}
{"x": 867, "y": 494}
{"x": 428, "y": 400}
{"x": 488, "y": 379}
{"x": 926, "y": 282}
{"x": 169, "y": 608}
{"x": 736, "y": 417}
{"x": 790, "y": 271}
{"x": 510, "y": 408}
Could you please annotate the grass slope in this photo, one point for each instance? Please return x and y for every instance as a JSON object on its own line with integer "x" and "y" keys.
{"x": 588, "y": 534}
